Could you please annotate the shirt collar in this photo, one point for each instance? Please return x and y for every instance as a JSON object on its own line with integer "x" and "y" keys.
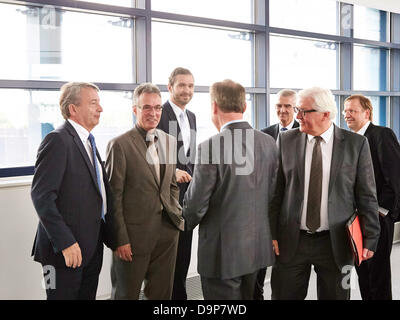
{"x": 364, "y": 128}
{"x": 230, "y": 122}
{"x": 82, "y": 132}
{"x": 177, "y": 109}
{"x": 289, "y": 126}
{"x": 326, "y": 136}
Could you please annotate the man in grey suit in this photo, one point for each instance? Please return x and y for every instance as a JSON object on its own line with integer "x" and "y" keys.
{"x": 141, "y": 169}
{"x": 285, "y": 112}
{"x": 228, "y": 197}
{"x": 319, "y": 186}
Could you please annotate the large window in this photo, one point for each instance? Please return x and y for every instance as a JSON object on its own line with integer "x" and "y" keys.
{"x": 298, "y": 63}
{"x": 211, "y": 54}
{"x": 53, "y": 44}
{"x": 265, "y": 45}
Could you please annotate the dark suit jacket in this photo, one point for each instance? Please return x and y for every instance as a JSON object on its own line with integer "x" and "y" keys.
{"x": 228, "y": 197}
{"x": 273, "y": 130}
{"x": 351, "y": 186}
{"x": 184, "y": 161}
{"x": 385, "y": 153}
{"x": 67, "y": 199}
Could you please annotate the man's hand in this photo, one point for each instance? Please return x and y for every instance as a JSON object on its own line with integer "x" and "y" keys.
{"x": 73, "y": 256}
{"x": 182, "y": 176}
{"x": 275, "y": 247}
{"x": 367, "y": 254}
{"x": 124, "y": 252}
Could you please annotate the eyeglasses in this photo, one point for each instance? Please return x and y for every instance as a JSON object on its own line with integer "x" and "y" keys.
{"x": 352, "y": 112}
{"x": 147, "y": 108}
{"x": 303, "y": 112}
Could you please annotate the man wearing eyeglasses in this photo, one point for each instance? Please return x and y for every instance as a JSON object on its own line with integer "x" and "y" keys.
{"x": 374, "y": 276}
{"x": 148, "y": 217}
{"x": 285, "y": 112}
{"x": 325, "y": 174}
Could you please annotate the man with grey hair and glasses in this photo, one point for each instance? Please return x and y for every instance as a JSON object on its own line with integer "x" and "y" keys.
{"x": 325, "y": 174}
{"x": 72, "y": 198}
{"x": 141, "y": 166}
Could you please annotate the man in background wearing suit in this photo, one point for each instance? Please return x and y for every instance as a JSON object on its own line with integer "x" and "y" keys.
{"x": 179, "y": 122}
{"x": 232, "y": 185}
{"x": 325, "y": 173}
{"x": 148, "y": 217}
{"x": 374, "y": 275}
{"x": 71, "y": 196}
{"x": 285, "y": 111}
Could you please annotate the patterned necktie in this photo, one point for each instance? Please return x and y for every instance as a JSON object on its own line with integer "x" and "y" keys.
{"x": 96, "y": 167}
{"x": 152, "y": 152}
{"x": 313, "y": 220}
{"x": 185, "y": 131}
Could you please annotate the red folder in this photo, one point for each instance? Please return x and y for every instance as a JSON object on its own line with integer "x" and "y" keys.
{"x": 356, "y": 239}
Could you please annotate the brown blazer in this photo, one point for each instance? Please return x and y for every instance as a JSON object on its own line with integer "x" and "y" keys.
{"x": 138, "y": 196}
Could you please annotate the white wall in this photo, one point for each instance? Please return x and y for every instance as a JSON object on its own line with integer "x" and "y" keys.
{"x": 20, "y": 276}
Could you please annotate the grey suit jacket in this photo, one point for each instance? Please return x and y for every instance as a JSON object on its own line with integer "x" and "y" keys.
{"x": 137, "y": 193}
{"x": 228, "y": 196}
{"x": 351, "y": 186}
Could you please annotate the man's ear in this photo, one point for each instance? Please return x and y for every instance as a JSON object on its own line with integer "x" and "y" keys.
{"x": 72, "y": 109}
{"x": 214, "y": 107}
{"x": 245, "y": 107}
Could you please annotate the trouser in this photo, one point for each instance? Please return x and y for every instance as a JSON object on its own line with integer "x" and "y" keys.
{"x": 239, "y": 288}
{"x": 374, "y": 275}
{"x": 289, "y": 281}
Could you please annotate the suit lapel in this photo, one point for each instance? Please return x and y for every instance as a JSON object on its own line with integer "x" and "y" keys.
{"x": 142, "y": 148}
{"x": 301, "y": 154}
{"x": 337, "y": 156}
{"x": 82, "y": 150}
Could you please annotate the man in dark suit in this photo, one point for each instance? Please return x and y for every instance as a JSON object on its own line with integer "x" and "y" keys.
{"x": 325, "y": 173}
{"x": 232, "y": 185}
{"x": 179, "y": 122}
{"x": 285, "y": 111}
{"x": 374, "y": 275}
{"x": 71, "y": 196}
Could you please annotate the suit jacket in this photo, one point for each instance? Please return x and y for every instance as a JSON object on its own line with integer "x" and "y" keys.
{"x": 229, "y": 197}
{"x": 385, "y": 153}
{"x": 67, "y": 199}
{"x": 169, "y": 124}
{"x": 138, "y": 194}
{"x": 351, "y": 186}
{"x": 273, "y": 130}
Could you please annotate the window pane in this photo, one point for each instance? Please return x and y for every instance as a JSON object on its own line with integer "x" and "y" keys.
{"x": 200, "y": 105}
{"x": 298, "y": 63}
{"x": 379, "y": 110}
{"x": 369, "y": 23}
{"x": 27, "y": 116}
{"x": 311, "y": 15}
{"x": 234, "y": 10}
{"x": 210, "y": 54}
{"x": 53, "y": 44}
{"x": 370, "y": 66}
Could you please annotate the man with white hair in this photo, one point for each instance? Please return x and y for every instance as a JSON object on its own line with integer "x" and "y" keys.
{"x": 325, "y": 174}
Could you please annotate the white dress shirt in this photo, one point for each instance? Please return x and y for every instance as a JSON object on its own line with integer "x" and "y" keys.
{"x": 185, "y": 129}
{"x": 326, "y": 150}
{"x": 84, "y": 136}
{"x": 289, "y": 126}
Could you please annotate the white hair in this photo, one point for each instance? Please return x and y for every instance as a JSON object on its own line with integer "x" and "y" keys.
{"x": 324, "y": 100}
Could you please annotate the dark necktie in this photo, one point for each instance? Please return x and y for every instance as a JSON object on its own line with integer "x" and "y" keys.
{"x": 96, "y": 167}
{"x": 313, "y": 220}
{"x": 283, "y": 129}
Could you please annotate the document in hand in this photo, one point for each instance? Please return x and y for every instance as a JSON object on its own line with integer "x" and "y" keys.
{"x": 356, "y": 239}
